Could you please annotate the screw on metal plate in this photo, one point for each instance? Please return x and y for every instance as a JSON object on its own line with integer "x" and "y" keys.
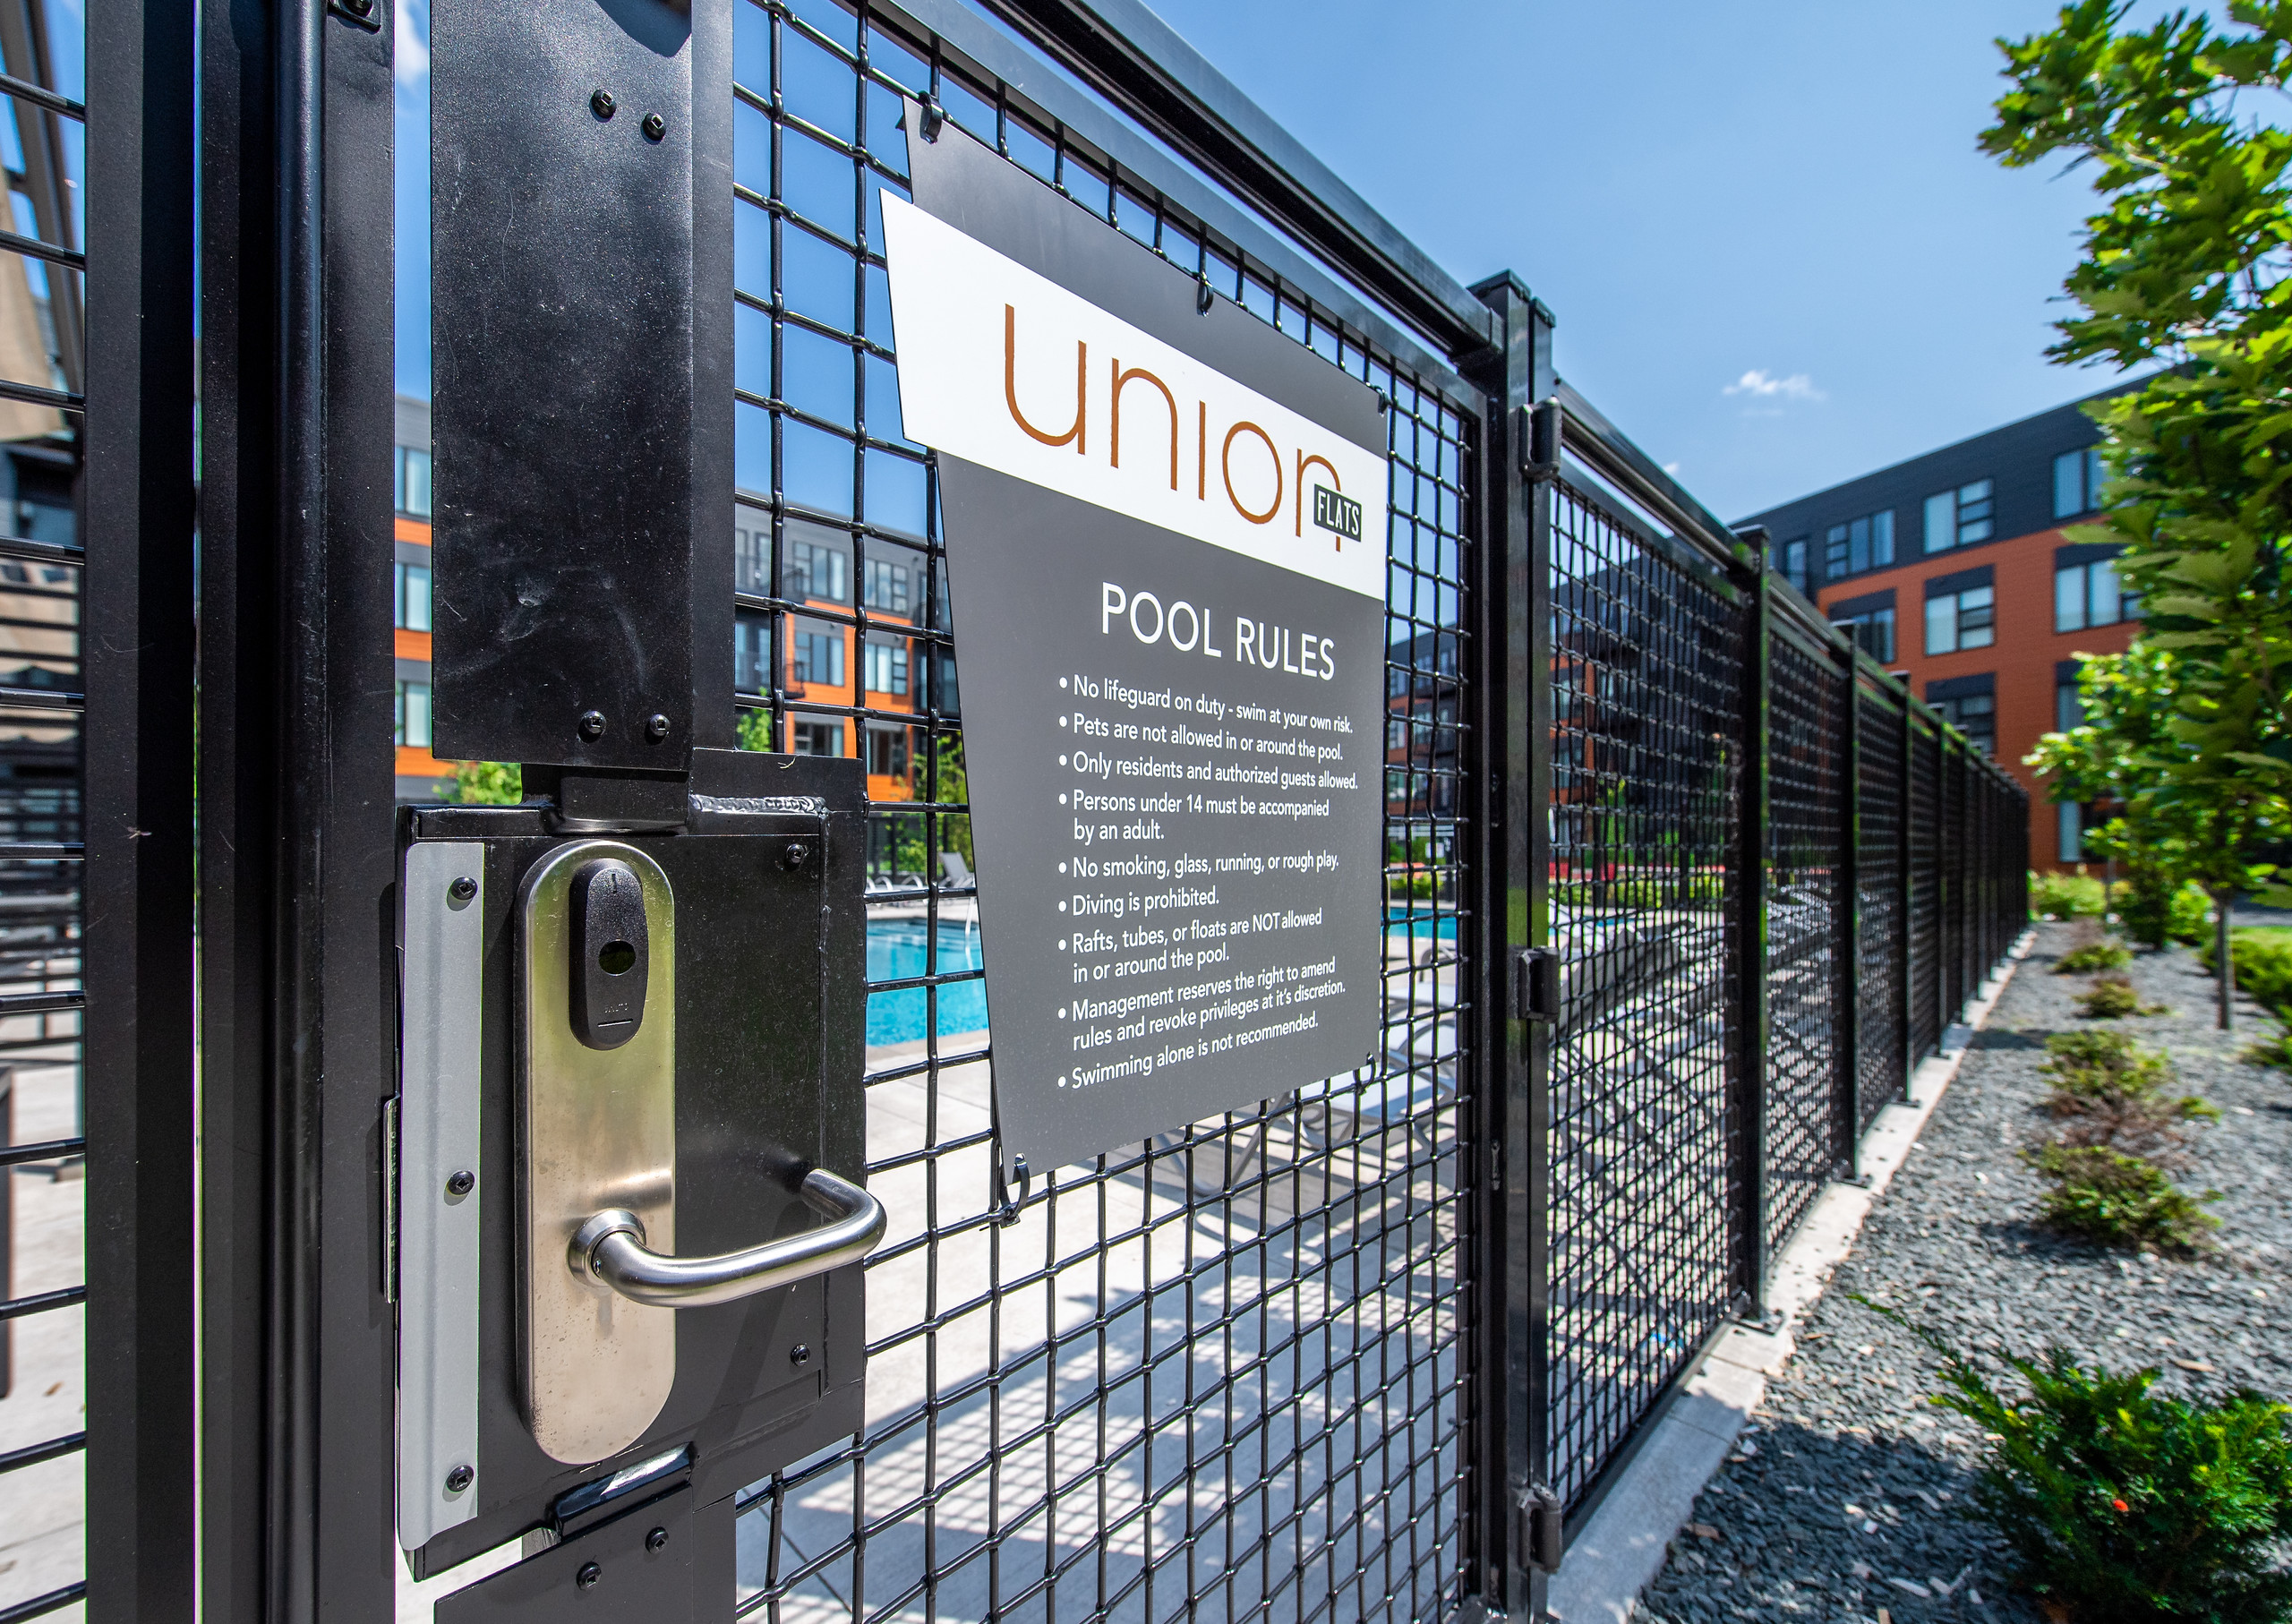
{"x": 589, "y": 1575}
{"x": 592, "y": 724}
{"x": 462, "y": 890}
{"x": 657, "y": 1540}
{"x": 657, "y": 727}
{"x": 460, "y": 1479}
{"x": 797, "y": 854}
{"x": 656, "y": 126}
{"x": 460, "y": 1182}
{"x": 799, "y": 1354}
{"x": 602, "y": 103}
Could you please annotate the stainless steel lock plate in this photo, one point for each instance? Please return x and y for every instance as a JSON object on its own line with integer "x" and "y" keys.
{"x": 599, "y": 1133}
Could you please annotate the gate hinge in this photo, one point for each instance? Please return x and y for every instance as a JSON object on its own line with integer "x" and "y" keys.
{"x": 1539, "y": 431}
{"x": 1542, "y": 1528}
{"x": 1532, "y": 974}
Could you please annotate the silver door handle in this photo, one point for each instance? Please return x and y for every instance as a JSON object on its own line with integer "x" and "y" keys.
{"x": 609, "y": 1247}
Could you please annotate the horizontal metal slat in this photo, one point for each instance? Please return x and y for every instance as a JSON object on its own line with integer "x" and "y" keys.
{"x": 41, "y": 552}
{"x": 40, "y": 96}
{"x": 39, "y": 1302}
{"x": 41, "y": 699}
{"x": 40, "y": 1004}
{"x": 39, "y": 1606}
{"x": 43, "y": 850}
{"x": 16, "y": 1156}
{"x": 32, "y": 1454}
{"x": 15, "y": 242}
{"x": 33, "y": 393}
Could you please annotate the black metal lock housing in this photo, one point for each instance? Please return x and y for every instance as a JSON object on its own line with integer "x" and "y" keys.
{"x": 611, "y": 952}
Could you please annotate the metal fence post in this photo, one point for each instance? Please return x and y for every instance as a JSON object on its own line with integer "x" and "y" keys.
{"x": 1849, "y": 1095}
{"x": 137, "y": 646}
{"x": 1515, "y": 864}
{"x": 1750, "y": 936}
{"x": 1905, "y": 890}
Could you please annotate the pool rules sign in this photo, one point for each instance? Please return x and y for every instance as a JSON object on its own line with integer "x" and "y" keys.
{"x": 1165, "y": 534}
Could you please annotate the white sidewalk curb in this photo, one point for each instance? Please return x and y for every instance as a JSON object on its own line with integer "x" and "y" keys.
{"x": 1613, "y": 1560}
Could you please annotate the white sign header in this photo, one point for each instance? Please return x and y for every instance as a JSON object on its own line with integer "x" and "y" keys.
{"x": 1005, "y": 368}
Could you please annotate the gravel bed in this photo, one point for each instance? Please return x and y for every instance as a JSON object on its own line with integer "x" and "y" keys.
{"x": 1849, "y": 1492}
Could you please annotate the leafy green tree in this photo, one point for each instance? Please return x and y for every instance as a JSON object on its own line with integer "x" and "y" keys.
{"x": 2185, "y": 270}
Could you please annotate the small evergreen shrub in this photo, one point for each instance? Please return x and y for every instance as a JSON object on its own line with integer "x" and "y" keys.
{"x": 2065, "y": 896}
{"x": 2099, "y": 1193}
{"x": 2104, "y": 954}
{"x": 2112, "y": 998}
{"x": 2262, "y": 956}
{"x": 2274, "y": 1050}
{"x": 2121, "y": 1506}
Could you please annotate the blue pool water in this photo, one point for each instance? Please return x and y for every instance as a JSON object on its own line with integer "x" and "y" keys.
{"x": 895, "y": 950}
{"x": 1397, "y": 924}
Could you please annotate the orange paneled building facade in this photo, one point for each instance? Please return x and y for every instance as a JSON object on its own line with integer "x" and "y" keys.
{"x": 849, "y": 673}
{"x": 1963, "y": 572}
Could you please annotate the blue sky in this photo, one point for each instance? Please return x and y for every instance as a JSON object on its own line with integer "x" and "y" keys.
{"x": 1777, "y": 260}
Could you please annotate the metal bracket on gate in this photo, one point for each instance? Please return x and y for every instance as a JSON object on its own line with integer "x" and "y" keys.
{"x": 1540, "y": 439}
{"x": 1543, "y": 1529}
{"x": 1532, "y": 990}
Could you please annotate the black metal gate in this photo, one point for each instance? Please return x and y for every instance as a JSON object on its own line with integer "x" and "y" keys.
{"x": 1374, "y": 1349}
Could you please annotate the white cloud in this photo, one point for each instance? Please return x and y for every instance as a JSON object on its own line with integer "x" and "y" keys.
{"x": 1763, "y": 385}
{"x": 1672, "y": 469}
{"x": 412, "y": 45}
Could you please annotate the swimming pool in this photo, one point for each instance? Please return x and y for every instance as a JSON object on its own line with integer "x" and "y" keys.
{"x": 897, "y": 950}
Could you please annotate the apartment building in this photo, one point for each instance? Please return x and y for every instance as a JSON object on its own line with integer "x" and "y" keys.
{"x": 1962, "y": 571}
{"x": 848, "y": 672}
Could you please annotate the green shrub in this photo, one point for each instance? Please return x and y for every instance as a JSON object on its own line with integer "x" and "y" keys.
{"x": 487, "y": 783}
{"x": 2275, "y": 1049}
{"x": 2065, "y": 896}
{"x": 2104, "y": 954}
{"x": 2120, "y": 1505}
{"x": 2111, "y": 998}
{"x": 2262, "y": 955}
{"x": 2154, "y": 915}
{"x": 2102, "y": 1194}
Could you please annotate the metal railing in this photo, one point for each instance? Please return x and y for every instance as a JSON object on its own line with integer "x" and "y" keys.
{"x": 1775, "y": 878}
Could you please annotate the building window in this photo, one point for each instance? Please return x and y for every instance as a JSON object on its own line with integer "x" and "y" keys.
{"x": 1873, "y": 631}
{"x": 886, "y": 671}
{"x": 2068, "y": 707}
{"x": 413, "y": 482}
{"x": 817, "y": 573}
{"x": 751, "y": 553}
{"x": 752, "y": 655}
{"x": 1966, "y": 618}
{"x": 2077, "y": 483}
{"x": 1790, "y": 558}
{"x": 817, "y": 738}
{"x": 1859, "y": 544}
{"x": 1973, "y": 714}
{"x": 2087, "y": 594}
{"x": 887, "y": 752}
{"x": 2073, "y": 831}
{"x": 1959, "y": 517}
{"x": 1396, "y": 734}
{"x": 885, "y": 586}
{"x": 410, "y": 597}
{"x": 413, "y": 715}
{"x": 815, "y": 659}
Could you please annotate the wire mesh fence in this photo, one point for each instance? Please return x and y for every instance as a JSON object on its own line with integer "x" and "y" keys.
{"x": 1221, "y": 1373}
{"x": 1773, "y": 882}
